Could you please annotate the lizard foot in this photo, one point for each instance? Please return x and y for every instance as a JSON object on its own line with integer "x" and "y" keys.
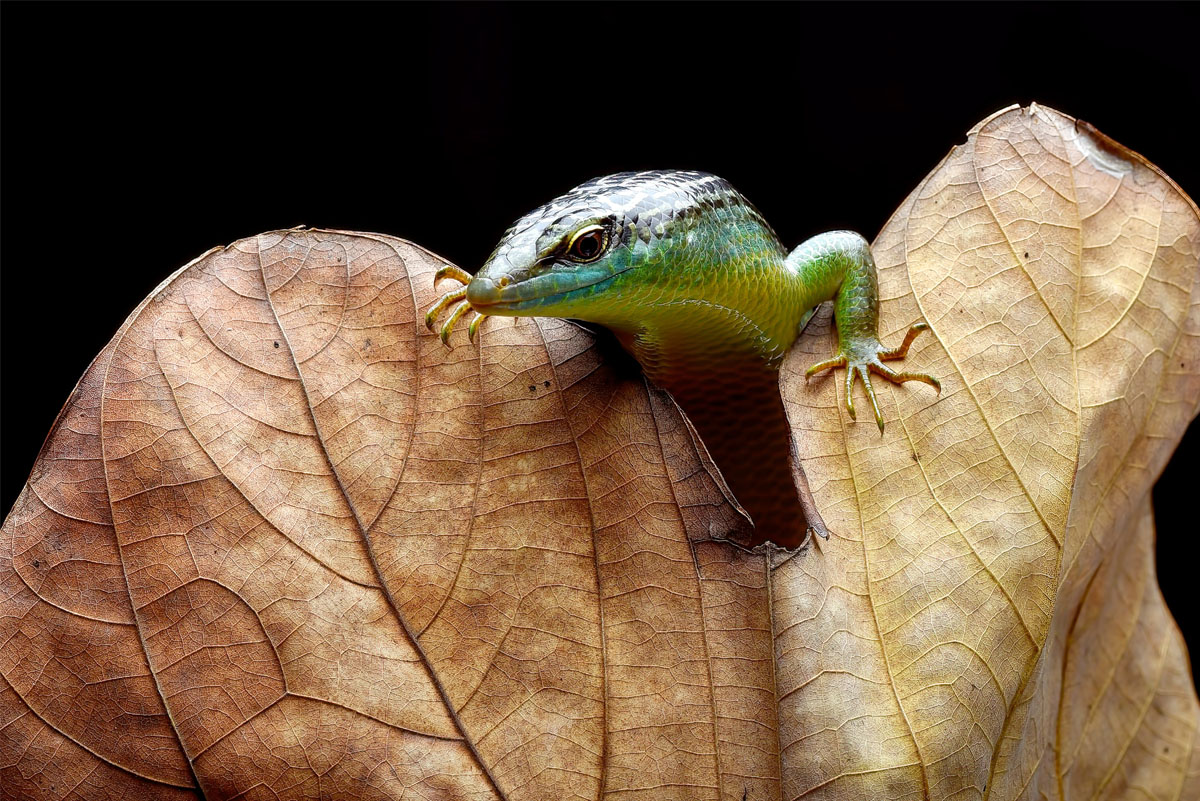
{"x": 863, "y": 356}
{"x": 457, "y": 297}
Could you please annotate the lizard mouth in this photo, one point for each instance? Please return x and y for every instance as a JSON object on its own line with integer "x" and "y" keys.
{"x": 504, "y": 294}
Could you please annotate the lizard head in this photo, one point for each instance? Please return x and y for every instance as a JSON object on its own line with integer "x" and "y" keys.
{"x": 599, "y": 251}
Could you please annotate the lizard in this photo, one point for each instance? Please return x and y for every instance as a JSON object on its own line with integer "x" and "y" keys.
{"x": 696, "y": 285}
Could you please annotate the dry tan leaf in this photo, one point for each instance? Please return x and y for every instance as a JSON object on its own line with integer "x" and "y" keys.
{"x": 281, "y": 544}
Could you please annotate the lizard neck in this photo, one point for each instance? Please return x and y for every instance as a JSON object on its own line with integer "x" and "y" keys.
{"x": 685, "y": 343}
{"x": 725, "y": 304}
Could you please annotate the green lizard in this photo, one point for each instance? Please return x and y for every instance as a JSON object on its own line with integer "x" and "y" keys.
{"x": 694, "y": 283}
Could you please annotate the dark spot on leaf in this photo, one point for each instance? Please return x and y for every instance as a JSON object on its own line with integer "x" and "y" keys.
{"x": 1027, "y": 254}
{"x": 546, "y": 384}
{"x": 37, "y": 563}
{"x": 914, "y": 457}
{"x": 532, "y": 388}
{"x": 277, "y": 344}
{"x": 180, "y": 333}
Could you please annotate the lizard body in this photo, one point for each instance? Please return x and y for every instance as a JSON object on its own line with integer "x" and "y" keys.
{"x": 696, "y": 285}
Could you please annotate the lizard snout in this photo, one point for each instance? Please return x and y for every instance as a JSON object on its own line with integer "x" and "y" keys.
{"x": 484, "y": 290}
{"x": 489, "y": 284}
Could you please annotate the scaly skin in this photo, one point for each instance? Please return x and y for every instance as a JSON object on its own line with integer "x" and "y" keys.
{"x": 693, "y": 282}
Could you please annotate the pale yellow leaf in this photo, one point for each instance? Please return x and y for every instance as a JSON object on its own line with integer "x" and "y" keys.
{"x": 929, "y": 644}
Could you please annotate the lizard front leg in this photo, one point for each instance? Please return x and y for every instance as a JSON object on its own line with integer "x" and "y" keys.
{"x": 839, "y": 265}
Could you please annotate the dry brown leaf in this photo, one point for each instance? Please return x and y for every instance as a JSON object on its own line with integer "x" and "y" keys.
{"x": 281, "y": 544}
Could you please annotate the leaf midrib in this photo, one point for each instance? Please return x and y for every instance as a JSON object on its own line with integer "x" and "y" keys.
{"x": 368, "y": 547}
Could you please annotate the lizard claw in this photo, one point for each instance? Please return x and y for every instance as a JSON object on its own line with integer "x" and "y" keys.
{"x": 454, "y": 296}
{"x": 866, "y": 355}
{"x": 457, "y": 273}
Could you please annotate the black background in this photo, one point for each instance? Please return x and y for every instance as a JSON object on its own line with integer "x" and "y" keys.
{"x": 137, "y": 136}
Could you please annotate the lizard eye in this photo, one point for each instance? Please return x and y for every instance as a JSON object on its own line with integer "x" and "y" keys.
{"x": 587, "y": 244}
